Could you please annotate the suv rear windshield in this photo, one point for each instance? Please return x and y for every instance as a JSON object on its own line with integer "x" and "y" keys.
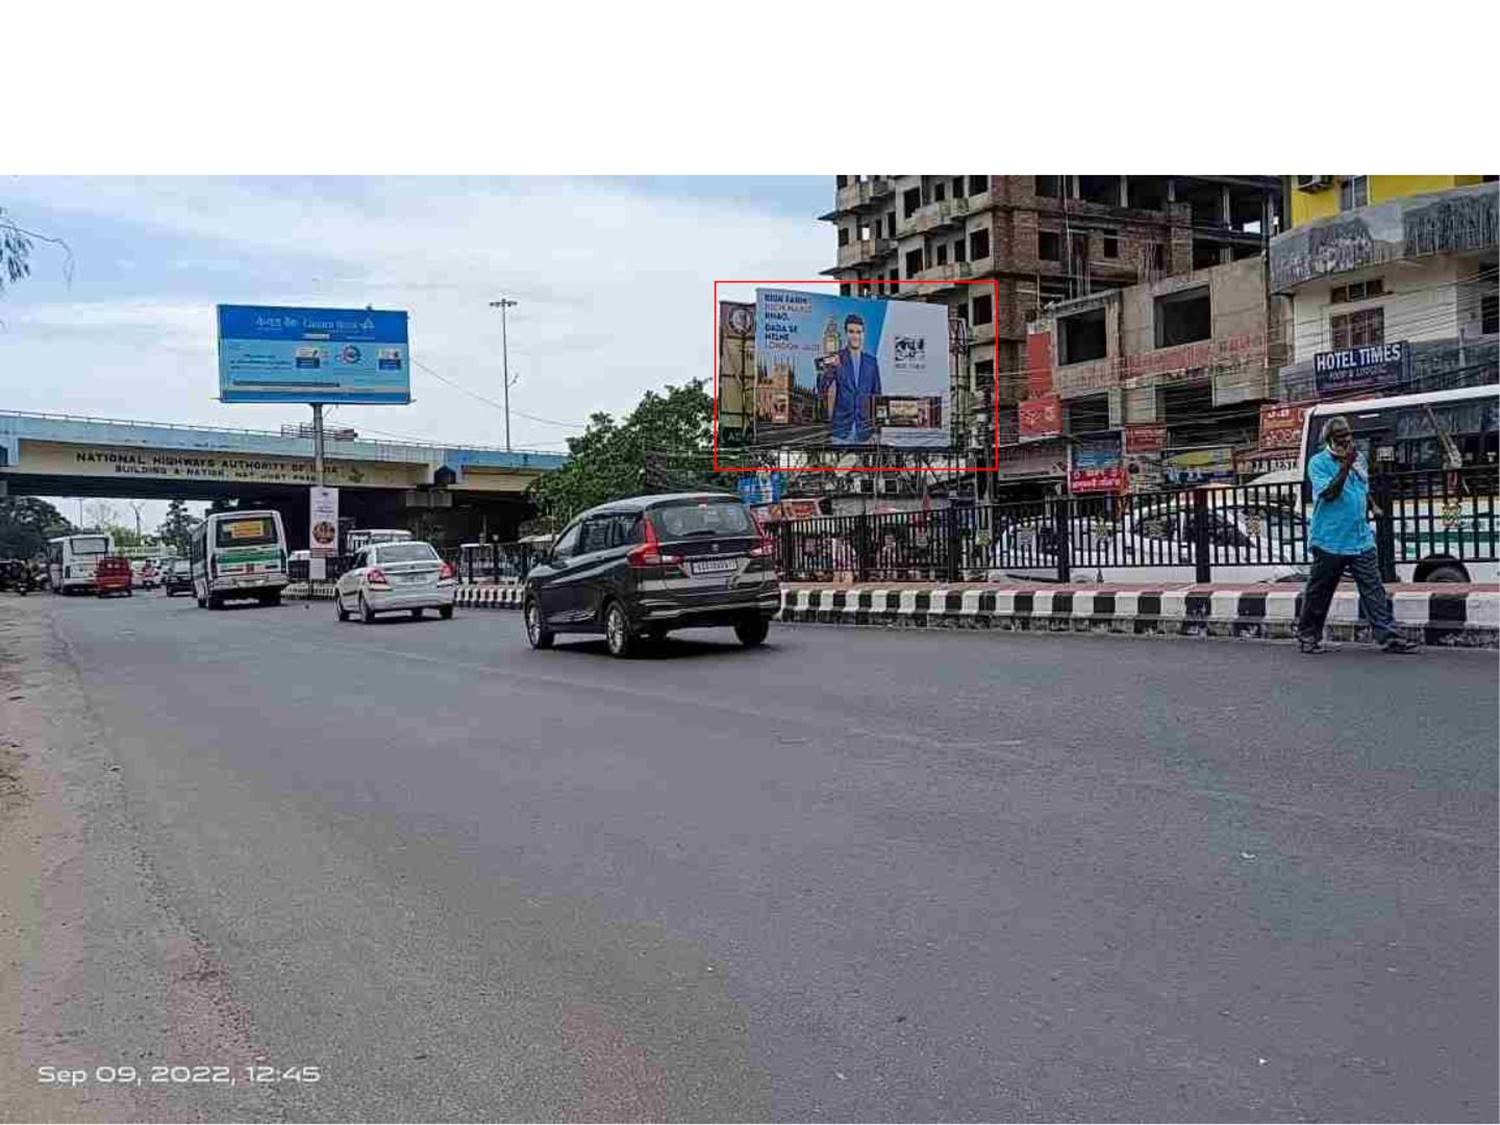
{"x": 406, "y": 552}
{"x": 691, "y": 518}
{"x": 250, "y": 532}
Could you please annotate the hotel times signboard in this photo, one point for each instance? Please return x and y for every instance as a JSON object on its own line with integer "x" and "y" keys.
{"x": 313, "y": 355}
{"x": 1359, "y": 369}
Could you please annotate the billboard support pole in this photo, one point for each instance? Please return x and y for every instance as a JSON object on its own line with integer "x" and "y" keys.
{"x": 317, "y": 408}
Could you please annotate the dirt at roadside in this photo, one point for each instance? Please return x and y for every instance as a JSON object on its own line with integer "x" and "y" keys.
{"x": 96, "y": 969}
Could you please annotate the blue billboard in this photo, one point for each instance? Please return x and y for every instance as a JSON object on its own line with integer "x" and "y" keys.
{"x": 849, "y": 371}
{"x": 313, "y": 355}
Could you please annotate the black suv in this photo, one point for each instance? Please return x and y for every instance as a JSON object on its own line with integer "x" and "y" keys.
{"x": 644, "y": 566}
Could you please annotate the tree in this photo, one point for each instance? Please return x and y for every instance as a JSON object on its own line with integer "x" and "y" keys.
{"x": 609, "y": 460}
{"x": 15, "y": 252}
{"x": 26, "y": 523}
{"x": 176, "y": 531}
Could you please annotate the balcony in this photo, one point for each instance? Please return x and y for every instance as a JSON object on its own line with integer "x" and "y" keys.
{"x": 933, "y": 216}
{"x": 981, "y": 334}
{"x": 865, "y": 250}
{"x": 935, "y": 278}
{"x": 1456, "y": 221}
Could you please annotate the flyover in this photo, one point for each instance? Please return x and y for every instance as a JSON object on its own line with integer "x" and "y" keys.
{"x": 452, "y": 492}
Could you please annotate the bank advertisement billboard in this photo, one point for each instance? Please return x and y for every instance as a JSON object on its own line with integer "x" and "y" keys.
{"x": 832, "y": 371}
{"x": 270, "y": 354}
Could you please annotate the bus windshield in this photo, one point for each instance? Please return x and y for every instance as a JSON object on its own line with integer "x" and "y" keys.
{"x": 251, "y": 531}
{"x": 89, "y": 545}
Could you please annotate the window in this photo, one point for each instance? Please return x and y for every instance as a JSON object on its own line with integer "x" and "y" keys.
{"x": 939, "y": 192}
{"x": 1354, "y": 191}
{"x": 877, "y": 228}
{"x": 1357, "y": 291}
{"x": 1049, "y": 246}
{"x": 1081, "y": 337}
{"x": 251, "y": 532}
{"x": 1048, "y": 187}
{"x": 942, "y": 254}
{"x": 984, "y": 309}
{"x": 1159, "y": 257}
{"x": 1182, "y": 318}
{"x": 978, "y": 185}
{"x": 894, "y": 277}
{"x": 703, "y": 518}
{"x": 845, "y": 289}
{"x": 564, "y": 546}
{"x": 913, "y": 262}
{"x": 984, "y": 374}
{"x": 979, "y": 245}
{"x": 1489, "y": 314}
{"x": 603, "y": 533}
{"x": 864, "y": 233}
{"x": 1111, "y": 246}
{"x": 1358, "y": 329}
{"x": 843, "y": 236}
{"x": 958, "y": 186}
{"x": 911, "y": 200}
{"x": 841, "y": 181}
{"x": 406, "y": 552}
{"x": 958, "y": 250}
{"x": 890, "y": 222}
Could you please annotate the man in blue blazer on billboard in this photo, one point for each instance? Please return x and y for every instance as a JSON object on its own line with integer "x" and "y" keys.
{"x": 856, "y": 381}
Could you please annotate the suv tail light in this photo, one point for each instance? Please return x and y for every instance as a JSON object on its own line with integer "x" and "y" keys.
{"x": 445, "y": 572}
{"x": 763, "y": 549}
{"x": 649, "y": 552}
{"x": 376, "y": 577}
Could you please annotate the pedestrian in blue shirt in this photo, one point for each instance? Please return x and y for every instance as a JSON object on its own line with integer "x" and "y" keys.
{"x": 1341, "y": 539}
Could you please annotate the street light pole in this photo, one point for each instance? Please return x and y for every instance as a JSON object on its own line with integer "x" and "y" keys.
{"x": 502, "y": 304}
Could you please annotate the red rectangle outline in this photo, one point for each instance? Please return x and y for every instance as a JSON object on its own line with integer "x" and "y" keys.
{"x": 995, "y": 398}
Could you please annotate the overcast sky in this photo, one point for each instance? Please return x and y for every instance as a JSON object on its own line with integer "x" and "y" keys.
{"x": 614, "y": 279}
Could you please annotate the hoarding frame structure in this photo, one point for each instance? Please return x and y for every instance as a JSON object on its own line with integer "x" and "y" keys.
{"x": 282, "y": 333}
{"x": 992, "y": 467}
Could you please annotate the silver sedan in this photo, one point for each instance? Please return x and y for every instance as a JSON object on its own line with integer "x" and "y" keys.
{"x": 395, "y": 578}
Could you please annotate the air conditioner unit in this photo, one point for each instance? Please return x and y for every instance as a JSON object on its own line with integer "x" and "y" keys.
{"x": 1314, "y": 183}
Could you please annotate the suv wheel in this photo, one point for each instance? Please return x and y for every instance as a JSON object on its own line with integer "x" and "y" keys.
{"x": 338, "y": 606}
{"x": 617, "y": 631}
{"x": 536, "y": 635}
{"x": 366, "y": 614}
{"x": 752, "y": 631}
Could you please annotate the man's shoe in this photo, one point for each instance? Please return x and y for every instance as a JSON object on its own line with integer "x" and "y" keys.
{"x": 1396, "y": 646}
{"x": 1311, "y": 647}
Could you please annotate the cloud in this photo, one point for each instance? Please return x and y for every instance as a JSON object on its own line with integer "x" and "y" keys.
{"x": 614, "y": 284}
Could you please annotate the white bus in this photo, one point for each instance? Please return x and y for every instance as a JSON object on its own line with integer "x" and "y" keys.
{"x": 1444, "y": 517}
{"x": 72, "y": 560}
{"x": 238, "y": 555}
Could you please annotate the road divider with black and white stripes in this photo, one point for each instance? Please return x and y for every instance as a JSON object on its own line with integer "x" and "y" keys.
{"x": 1437, "y": 614}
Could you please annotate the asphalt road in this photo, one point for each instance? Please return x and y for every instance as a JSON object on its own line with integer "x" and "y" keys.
{"x": 854, "y": 875}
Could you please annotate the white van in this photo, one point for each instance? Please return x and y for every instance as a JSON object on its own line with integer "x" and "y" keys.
{"x": 238, "y": 555}
{"x": 72, "y": 560}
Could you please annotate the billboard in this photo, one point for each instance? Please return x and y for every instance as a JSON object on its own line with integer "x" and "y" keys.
{"x": 1360, "y": 369}
{"x": 323, "y": 522}
{"x": 1145, "y": 437}
{"x": 832, "y": 370}
{"x": 1039, "y": 418}
{"x": 312, "y": 355}
{"x": 1096, "y": 466}
{"x": 1187, "y": 467}
{"x": 1281, "y": 425}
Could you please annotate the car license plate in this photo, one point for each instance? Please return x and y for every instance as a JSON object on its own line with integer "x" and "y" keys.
{"x": 713, "y": 566}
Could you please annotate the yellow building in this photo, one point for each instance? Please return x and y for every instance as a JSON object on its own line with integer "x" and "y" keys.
{"x": 1317, "y": 197}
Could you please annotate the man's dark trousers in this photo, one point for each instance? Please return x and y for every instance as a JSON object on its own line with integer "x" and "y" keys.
{"x": 1327, "y": 569}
